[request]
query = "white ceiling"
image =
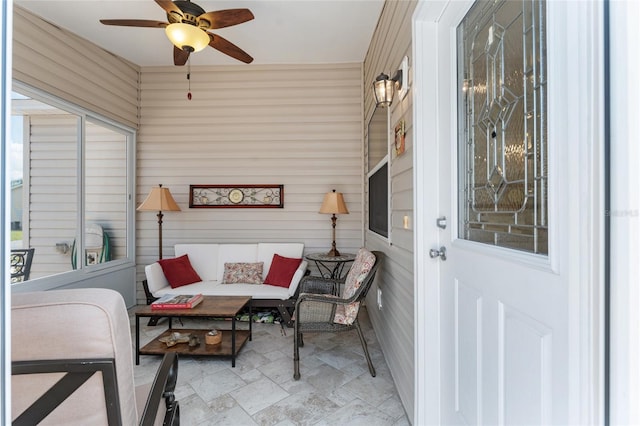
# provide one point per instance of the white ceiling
(283, 31)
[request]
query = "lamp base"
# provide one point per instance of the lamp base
(333, 253)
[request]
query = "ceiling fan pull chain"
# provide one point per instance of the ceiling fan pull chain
(189, 78)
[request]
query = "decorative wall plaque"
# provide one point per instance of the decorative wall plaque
(399, 138)
(245, 196)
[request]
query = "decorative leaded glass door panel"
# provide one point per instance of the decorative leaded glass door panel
(502, 125)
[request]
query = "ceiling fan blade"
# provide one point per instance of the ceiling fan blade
(229, 48)
(170, 7)
(134, 23)
(226, 18)
(179, 56)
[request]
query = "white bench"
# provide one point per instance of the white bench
(208, 261)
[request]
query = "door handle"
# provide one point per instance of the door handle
(442, 253)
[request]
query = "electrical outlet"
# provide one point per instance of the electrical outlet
(380, 299)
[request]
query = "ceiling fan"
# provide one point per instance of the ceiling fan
(188, 28)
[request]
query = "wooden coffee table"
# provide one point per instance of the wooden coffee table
(211, 307)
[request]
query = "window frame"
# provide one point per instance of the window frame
(84, 115)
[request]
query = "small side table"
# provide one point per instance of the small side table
(331, 266)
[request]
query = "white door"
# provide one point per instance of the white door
(506, 323)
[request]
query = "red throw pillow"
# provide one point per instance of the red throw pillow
(282, 270)
(179, 271)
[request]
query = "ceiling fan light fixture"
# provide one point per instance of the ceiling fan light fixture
(187, 37)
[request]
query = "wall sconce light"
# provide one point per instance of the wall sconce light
(384, 87)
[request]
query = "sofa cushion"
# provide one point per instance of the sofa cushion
(267, 250)
(245, 273)
(295, 281)
(179, 271)
(282, 270)
(203, 258)
(212, 288)
(235, 253)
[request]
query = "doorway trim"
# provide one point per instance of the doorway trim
(426, 274)
(624, 213)
(6, 25)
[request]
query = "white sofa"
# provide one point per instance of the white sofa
(208, 261)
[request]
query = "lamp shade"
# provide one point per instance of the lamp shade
(159, 199)
(383, 89)
(333, 203)
(187, 37)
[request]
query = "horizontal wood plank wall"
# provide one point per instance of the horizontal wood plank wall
(54, 60)
(393, 323)
(295, 125)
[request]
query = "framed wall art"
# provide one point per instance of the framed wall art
(245, 196)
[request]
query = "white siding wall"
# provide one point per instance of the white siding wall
(52, 190)
(105, 178)
(394, 322)
(56, 61)
(300, 126)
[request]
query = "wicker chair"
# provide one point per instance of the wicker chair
(320, 309)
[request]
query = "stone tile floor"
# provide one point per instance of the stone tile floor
(335, 387)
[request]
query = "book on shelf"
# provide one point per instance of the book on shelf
(177, 301)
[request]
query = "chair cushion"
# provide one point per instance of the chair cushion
(72, 324)
(142, 394)
(179, 271)
(346, 314)
(245, 273)
(282, 270)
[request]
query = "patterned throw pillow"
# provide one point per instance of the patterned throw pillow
(244, 273)
(346, 314)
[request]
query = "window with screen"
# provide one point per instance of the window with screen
(379, 201)
(378, 172)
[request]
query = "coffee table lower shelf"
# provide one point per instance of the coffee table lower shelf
(224, 348)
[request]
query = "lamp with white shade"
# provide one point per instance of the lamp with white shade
(333, 204)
